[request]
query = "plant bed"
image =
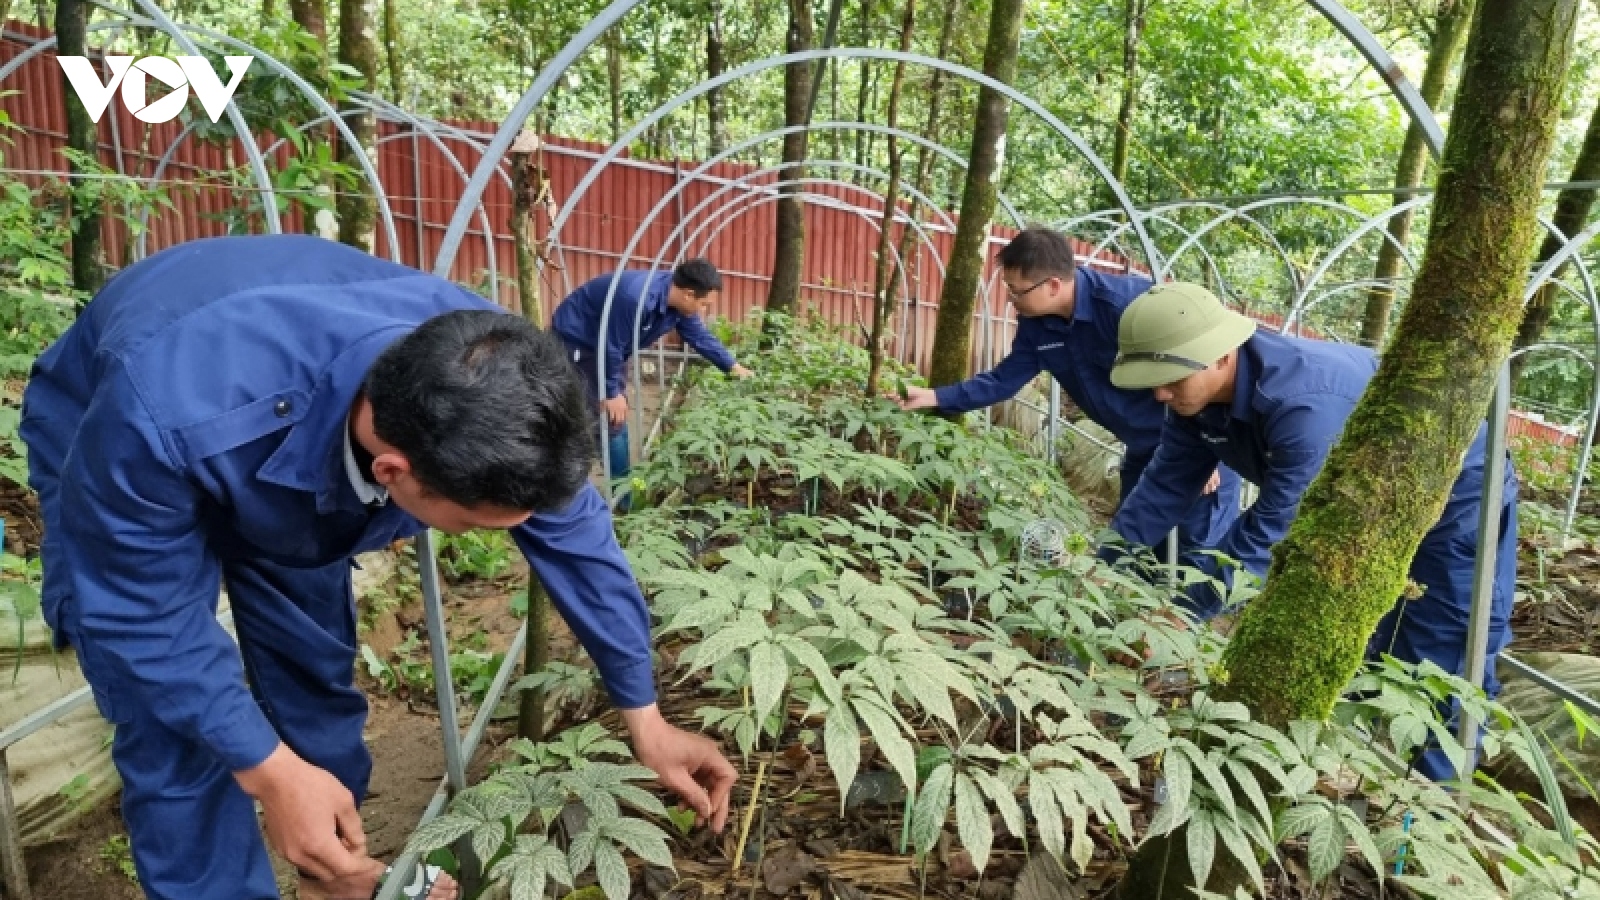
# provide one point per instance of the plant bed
(890, 748)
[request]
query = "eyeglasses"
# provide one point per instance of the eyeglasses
(1018, 295)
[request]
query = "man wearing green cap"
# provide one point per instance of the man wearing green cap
(1270, 407)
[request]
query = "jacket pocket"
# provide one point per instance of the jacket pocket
(240, 425)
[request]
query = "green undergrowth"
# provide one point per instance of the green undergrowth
(907, 598)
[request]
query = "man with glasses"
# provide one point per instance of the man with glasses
(1067, 321)
(671, 300)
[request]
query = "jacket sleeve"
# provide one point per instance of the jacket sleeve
(145, 585)
(576, 555)
(1000, 383)
(1299, 437)
(619, 327)
(1169, 485)
(696, 335)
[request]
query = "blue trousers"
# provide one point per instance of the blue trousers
(614, 441)
(193, 831)
(1206, 522)
(1434, 626)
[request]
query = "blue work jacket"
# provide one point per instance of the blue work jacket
(577, 320)
(196, 412)
(1290, 402)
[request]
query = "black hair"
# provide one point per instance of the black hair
(487, 409)
(697, 276)
(1039, 252)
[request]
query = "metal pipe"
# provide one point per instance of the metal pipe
(1484, 565)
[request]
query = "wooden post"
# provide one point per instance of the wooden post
(527, 183)
(530, 711)
(16, 873)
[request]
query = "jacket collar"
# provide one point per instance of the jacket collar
(311, 457)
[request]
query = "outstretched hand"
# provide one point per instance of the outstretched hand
(689, 765)
(916, 398)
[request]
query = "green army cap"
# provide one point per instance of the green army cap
(1171, 332)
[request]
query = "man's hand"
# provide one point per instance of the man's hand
(917, 398)
(688, 765)
(311, 818)
(1212, 483)
(739, 371)
(616, 410)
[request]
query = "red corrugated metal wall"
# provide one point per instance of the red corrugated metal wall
(422, 187)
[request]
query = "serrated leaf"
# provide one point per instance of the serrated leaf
(811, 658)
(932, 808)
(1176, 769)
(1146, 741)
(1239, 847)
(1245, 778)
(441, 832)
(1213, 778)
(928, 692)
(1042, 800)
(769, 674)
(885, 730)
(647, 842)
(1325, 848)
(841, 740)
(972, 822)
(487, 839)
(611, 870)
(1297, 820)
(1005, 800)
(581, 853)
(639, 799)
(719, 645)
(1357, 830)
(1202, 841)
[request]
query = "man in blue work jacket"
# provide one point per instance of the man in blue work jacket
(1271, 407)
(253, 412)
(1067, 325)
(669, 300)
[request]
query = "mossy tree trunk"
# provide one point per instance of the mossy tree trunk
(312, 15)
(716, 64)
(391, 50)
(1573, 206)
(613, 47)
(887, 276)
(783, 296)
(1345, 559)
(88, 272)
(358, 49)
(1449, 37)
(952, 340)
(1383, 486)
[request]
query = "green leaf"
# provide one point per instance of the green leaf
(1239, 847)
(1245, 778)
(1180, 779)
(1325, 848)
(769, 673)
(885, 728)
(931, 809)
(611, 870)
(441, 832)
(1042, 800)
(1213, 777)
(1357, 831)
(811, 658)
(1005, 800)
(487, 839)
(647, 841)
(1299, 819)
(1146, 741)
(1554, 798)
(1202, 840)
(972, 822)
(841, 740)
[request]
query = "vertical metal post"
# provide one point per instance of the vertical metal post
(455, 768)
(1584, 451)
(1052, 429)
(416, 200)
(16, 873)
(1483, 569)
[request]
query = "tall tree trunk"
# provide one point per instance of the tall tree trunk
(830, 33)
(1133, 30)
(716, 64)
(783, 296)
(889, 270)
(1573, 206)
(71, 27)
(391, 50)
(952, 339)
(269, 11)
(1383, 486)
(358, 49)
(1449, 37)
(864, 89)
(613, 45)
(312, 15)
(931, 131)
